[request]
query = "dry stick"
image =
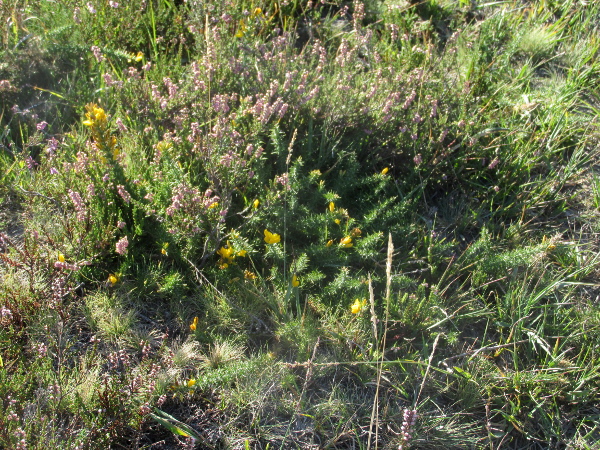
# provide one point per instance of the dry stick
(354, 363)
(287, 168)
(309, 370)
(374, 415)
(373, 314)
(388, 273)
(483, 349)
(437, 338)
(37, 194)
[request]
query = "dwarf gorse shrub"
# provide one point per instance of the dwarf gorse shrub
(205, 192)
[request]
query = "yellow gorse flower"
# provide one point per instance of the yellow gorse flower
(329, 243)
(139, 56)
(295, 281)
(194, 324)
(256, 204)
(241, 29)
(226, 252)
(271, 238)
(164, 146)
(96, 119)
(249, 275)
(191, 382)
(358, 305)
(61, 257)
(113, 279)
(346, 242)
(228, 255)
(331, 207)
(356, 232)
(95, 116)
(385, 170)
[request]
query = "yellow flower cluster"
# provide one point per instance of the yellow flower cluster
(346, 242)
(95, 116)
(271, 238)
(358, 305)
(228, 255)
(97, 121)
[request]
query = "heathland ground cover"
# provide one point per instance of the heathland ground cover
(299, 224)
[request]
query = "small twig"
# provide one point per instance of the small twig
(388, 272)
(354, 363)
(148, 319)
(482, 349)
(373, 314)
(309, 371)
(37, 194)
(375, 410)
(437, 338)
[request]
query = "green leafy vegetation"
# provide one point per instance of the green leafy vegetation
(299, 224)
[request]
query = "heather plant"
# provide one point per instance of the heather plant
(298, 224)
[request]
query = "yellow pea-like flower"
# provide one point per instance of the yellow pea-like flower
(346, 242)
(226, 252)
(271, 238)
(249, 275)
(358, 305)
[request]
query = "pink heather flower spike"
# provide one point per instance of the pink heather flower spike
(123, 193)
(122, 245)
(408, 423)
